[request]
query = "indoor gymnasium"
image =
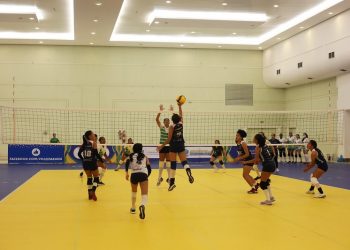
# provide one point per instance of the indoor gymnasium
(180, 124)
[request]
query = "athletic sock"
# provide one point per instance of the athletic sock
(312, 188)
(95, 183)
(320, 190)
(144, 199)
(269, 189)
(161, 167)
(267, 195)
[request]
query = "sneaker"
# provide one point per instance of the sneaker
(93, 196)
(252, 191)
(160, 180)
(142, 212)
(268, 203)
(272, 199)
(171, 187)
(81, 174)
(167, 180)
(310, 192)
(189, 174)
(319, 196)
(132, 210)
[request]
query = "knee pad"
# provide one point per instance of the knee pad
(212, 163)
(97, 179)
(185, 164)
(264, 185)
(89, 181)
(173, 165)
(221, 162)
(314, 181)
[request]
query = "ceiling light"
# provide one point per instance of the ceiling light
(31, 18)
(301, 27)
(21, 9)
(95, 20)
(93, 33)
(330, 13)
(193, 32)
(219, 46)
(91, 43)
(207, 15)
(260, 48)
(181, 45)
(224, 4)
(41, 42)
(156, 22)
(276, 6)
(278, 38)
(37, 28)
(98, 3)
(148, 30)
(68, 14)
(319, 8)
(234, 33)
(168, 1)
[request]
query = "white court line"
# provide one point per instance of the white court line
(18, 188)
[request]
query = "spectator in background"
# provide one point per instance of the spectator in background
(298, 149)
(282, 149)
(54, 139)
(306, 141)
(290, 149)
(275, 141)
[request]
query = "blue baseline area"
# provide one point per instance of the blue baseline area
(13, 176)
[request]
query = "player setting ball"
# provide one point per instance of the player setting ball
(181, 99)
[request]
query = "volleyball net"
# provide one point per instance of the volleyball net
(36, 125)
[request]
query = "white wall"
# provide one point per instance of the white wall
(343, 84)
(311, 47)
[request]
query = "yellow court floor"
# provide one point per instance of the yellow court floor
(51, 211)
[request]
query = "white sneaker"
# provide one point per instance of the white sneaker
(319, 196)
(268, 203)
(310, 192)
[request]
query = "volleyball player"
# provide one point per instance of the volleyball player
(177, 148)
(245, 155)
(102, 166)
(298, 148)
(140, 169)
(305, 141)
(290, 148)
(317, 158)
(264, 154)
(164, 158)
(89, 155)
(127, 150)
(217, 154)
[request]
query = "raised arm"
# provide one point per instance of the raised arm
(180, 112)
(158, 120)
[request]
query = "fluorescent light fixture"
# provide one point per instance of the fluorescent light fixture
(181, 45)
(193, 32)
(95, 20)
(41, 42)
(24, 9)
(31, 18)
(330, 13)
(98, 3)
(37, 28)
(260, 48)
(148, 30)
(234, 33)
(93, 33)
(224, 4)
(301, 27)
(156, 22)
(21, 9)
(207, 15)
(276, 6)
(219, 46)
(218, 16)
(168, 1)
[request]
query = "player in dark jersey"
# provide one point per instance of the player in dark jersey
(317, 158)
(266, 155)
(89, 155)
(217, 154)
(245, 155)
(177, 147)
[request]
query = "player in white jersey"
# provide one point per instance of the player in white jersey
(306, 141)
(102, 166)
(282, 149)
(290, 149)
(140, 169)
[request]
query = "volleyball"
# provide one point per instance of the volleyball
(181, 99)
